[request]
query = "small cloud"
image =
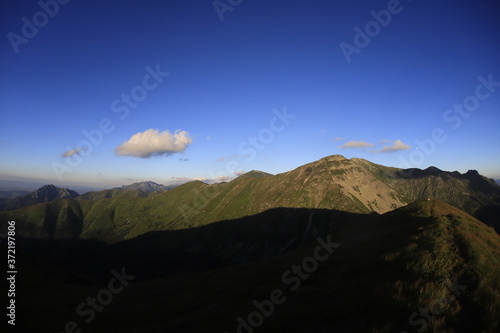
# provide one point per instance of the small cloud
(183, 159)
(71, 152)
(223, 158)
(219, 179)
(154, 143)
(209, 138)
(339, 139)
(397, 145)
(385, 141)
(356, 144)
(324, 130)
(239, 173)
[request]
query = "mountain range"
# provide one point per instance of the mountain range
(348, 245)
(146, 187)
(334, 182)
(45, 193)
(13, 199)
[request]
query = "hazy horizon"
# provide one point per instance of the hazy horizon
(167, 182)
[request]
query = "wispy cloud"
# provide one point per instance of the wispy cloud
(396, 145)
(223, 158)
(71, 152)
(154, 143)
(239, 173)
(339, 139)
(219, 179)
(356, 144)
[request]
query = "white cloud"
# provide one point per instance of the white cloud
(239, 173)
(71, 152)
(356, 144)
(154, 143)
(397, 145)
(339, 139)
(220, 179)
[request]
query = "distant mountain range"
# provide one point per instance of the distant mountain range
(146, 187)
(45, 193)
(13, 199)
(8, 194)
(11, 187)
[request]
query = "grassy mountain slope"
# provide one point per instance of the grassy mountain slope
(113, 193)
(426, 266)
(254, 174)
(333, 182)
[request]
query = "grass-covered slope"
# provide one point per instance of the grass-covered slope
(425, 267)
(333, 182)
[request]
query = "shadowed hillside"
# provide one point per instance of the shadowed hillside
(382, 273)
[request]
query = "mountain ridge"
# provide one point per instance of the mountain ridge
(146, 186)
(334, 182)
(46, 193)
(254, 174)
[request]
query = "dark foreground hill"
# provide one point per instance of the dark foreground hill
(425, 267)
(334, 182)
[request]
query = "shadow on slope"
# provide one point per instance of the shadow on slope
(159, 253)
(251, 238)
(388, 269)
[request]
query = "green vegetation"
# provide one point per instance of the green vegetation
(202, 254)
(332, 183)
(427, 256)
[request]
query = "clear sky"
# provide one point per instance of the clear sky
(187, 89)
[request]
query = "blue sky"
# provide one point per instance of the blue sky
(296, 76)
